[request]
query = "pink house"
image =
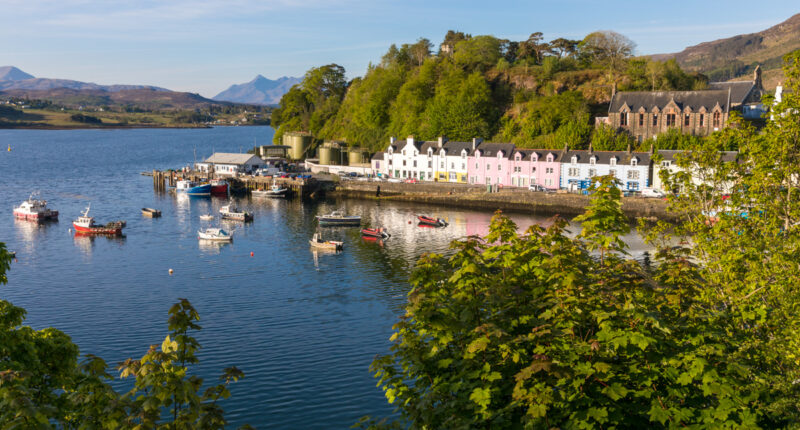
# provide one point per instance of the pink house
(535, 166)
(491, 164)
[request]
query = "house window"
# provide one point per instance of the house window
(633, 174)
(665, 164)
(499, 167)
(716, 119)
(634, 162)
(463, 166)
(452, 176)
(573, 171)
(415, 163)
(623, 119)
(612, 172)
(549, 159)
(548, 170)
(641, 119)
(592, 173)
(592, 161)
(463, 155)
(404, 162)
(686, 120)
(390, 161)
(430, 164)
(476, 165)
(612, 161)
(702, 120)
(488, 166)
(548, 182)
(574, 160)
(655, 119)
(441, 164)
(452, 166)
(533, 170)
(670, 119)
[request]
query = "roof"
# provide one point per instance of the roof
(231, 158)
(648, 100)
(540, 153)
(378, 156)
(669, 155)
(489, 149)
(455, 148)
(604, 157)
(739, 89)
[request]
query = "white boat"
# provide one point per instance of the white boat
(232, 212)
(331, 245)
(216, 234)
(34, 209)
(338, 218)
(207, 217)
(274, 191)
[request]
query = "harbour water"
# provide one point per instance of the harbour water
(303, 326)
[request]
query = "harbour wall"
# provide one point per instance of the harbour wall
(508, 199)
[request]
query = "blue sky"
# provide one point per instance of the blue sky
(205, 46)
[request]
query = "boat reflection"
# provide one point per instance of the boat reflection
(319, 252)
(211, 246)
(86, 241)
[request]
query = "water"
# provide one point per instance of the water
(302, 326)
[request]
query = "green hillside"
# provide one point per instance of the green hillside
(532, 92)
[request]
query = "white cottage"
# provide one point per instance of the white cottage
(230, 164)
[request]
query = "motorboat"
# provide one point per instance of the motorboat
(35, 209)
(192, 188)
(216, 234)
(232, 212)
(274, 191)
(331, 245)
(151, 213)
(207, 217)
(338, 218)
(378, 233)
(433, 222)
(219, 187)
(86, 225)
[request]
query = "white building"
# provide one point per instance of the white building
(230, 164)
(632, 169)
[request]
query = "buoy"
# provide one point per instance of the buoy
(170, 271)
(409, 221)
(251, 253)
(69, 230)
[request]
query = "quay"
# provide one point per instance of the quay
(243, 184)
(507, 199)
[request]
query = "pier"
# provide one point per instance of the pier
(243, 184)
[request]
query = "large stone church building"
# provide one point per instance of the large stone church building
(645, 114)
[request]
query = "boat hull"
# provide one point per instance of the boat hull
(220, 189)
(330, 246)
(198, 190)
(339, 221)
(372, 233)
(36, 216)
(97, 230)
(237, 216)
(432, 222)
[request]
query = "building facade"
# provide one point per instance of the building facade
(230, 164)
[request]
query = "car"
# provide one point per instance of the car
(652, 192)
(352, 174)
(395, 180)
(411, 181)
(536, 187)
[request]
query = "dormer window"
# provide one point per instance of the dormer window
(574, 160)
(634, 162)
(592, 161)
(549, 159)
(613, 161)
(463, 154)
(404, 153)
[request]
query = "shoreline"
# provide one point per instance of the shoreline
(509, 199)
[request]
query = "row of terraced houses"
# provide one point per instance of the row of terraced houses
(502, 164)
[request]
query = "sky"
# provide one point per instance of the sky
(205, 46)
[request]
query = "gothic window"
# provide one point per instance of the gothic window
(641, 119)
(655, 119)
(623, 119)
(670, 119)
(716, 119)
(702, 120)
(686, 120)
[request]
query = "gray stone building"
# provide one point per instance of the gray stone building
(645, 114)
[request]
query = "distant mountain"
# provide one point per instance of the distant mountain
(145, 98)
(736, 56)
(11, 73)
(260, 90)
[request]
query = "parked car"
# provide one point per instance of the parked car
(411, 181)
(536, 187)
(395, 180)
(652, 192)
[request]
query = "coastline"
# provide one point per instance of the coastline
(509, 199)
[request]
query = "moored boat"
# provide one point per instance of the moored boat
(232, 212)
(207, 217)
(338, 218)
(193, 189)
(219, 187)
(35, 209)
(378, 233)
(433, 222)
(86, 225)
(151, 213)
(216, 234)
(274, 191)
(331, 245)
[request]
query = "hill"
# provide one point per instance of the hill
(736, 56)
(260, 91)
(11, 73)
(144, 98)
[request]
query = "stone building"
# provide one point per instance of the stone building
(645, 114)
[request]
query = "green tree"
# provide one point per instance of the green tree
(478, 53)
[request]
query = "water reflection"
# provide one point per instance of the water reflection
(85, 242)
(211, 246)
(30, 230)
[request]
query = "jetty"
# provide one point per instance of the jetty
(243, 184)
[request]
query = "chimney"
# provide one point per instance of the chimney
(566, 147)
(441, 141)
(757, 77)
(475, 142)
(629, 148)
(392, 140)
(591, 150)
(410, 140)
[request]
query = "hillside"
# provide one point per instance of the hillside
(142, 98)
(260, 90)
(737, 56)
(11, 73)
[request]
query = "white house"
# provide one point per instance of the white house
(632, 169)
(224, 163)
(668, 161)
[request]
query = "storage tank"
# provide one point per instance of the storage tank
(330, 155)
(298, 142)
(357, 156)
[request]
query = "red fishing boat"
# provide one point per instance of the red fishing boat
(85, 225)
(378, 233)
(34, 209)
(429, 221)
(219, 187)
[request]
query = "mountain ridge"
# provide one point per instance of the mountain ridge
(259, 90)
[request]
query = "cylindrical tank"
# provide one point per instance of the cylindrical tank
(297, 142)
(356, 156)
(330, 155)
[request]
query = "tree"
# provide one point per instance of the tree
(564, 47)
(609, 50)
(420, 50)
(478, 53)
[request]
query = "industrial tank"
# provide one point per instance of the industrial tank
(330, 155)
(357, 156)
(297, 142)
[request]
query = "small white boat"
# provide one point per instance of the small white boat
(207, 217)
(274, 191)
(151, 213)
(231, 211)
(338, 218)
(331, 245)
(217, 234)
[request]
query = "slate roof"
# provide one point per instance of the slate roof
(231, 158)
(649, 100)
(378, 156)
(489, 149)
(669, 155)
(739, 89)
(541, 153)
(604, 157)
(455, 148)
